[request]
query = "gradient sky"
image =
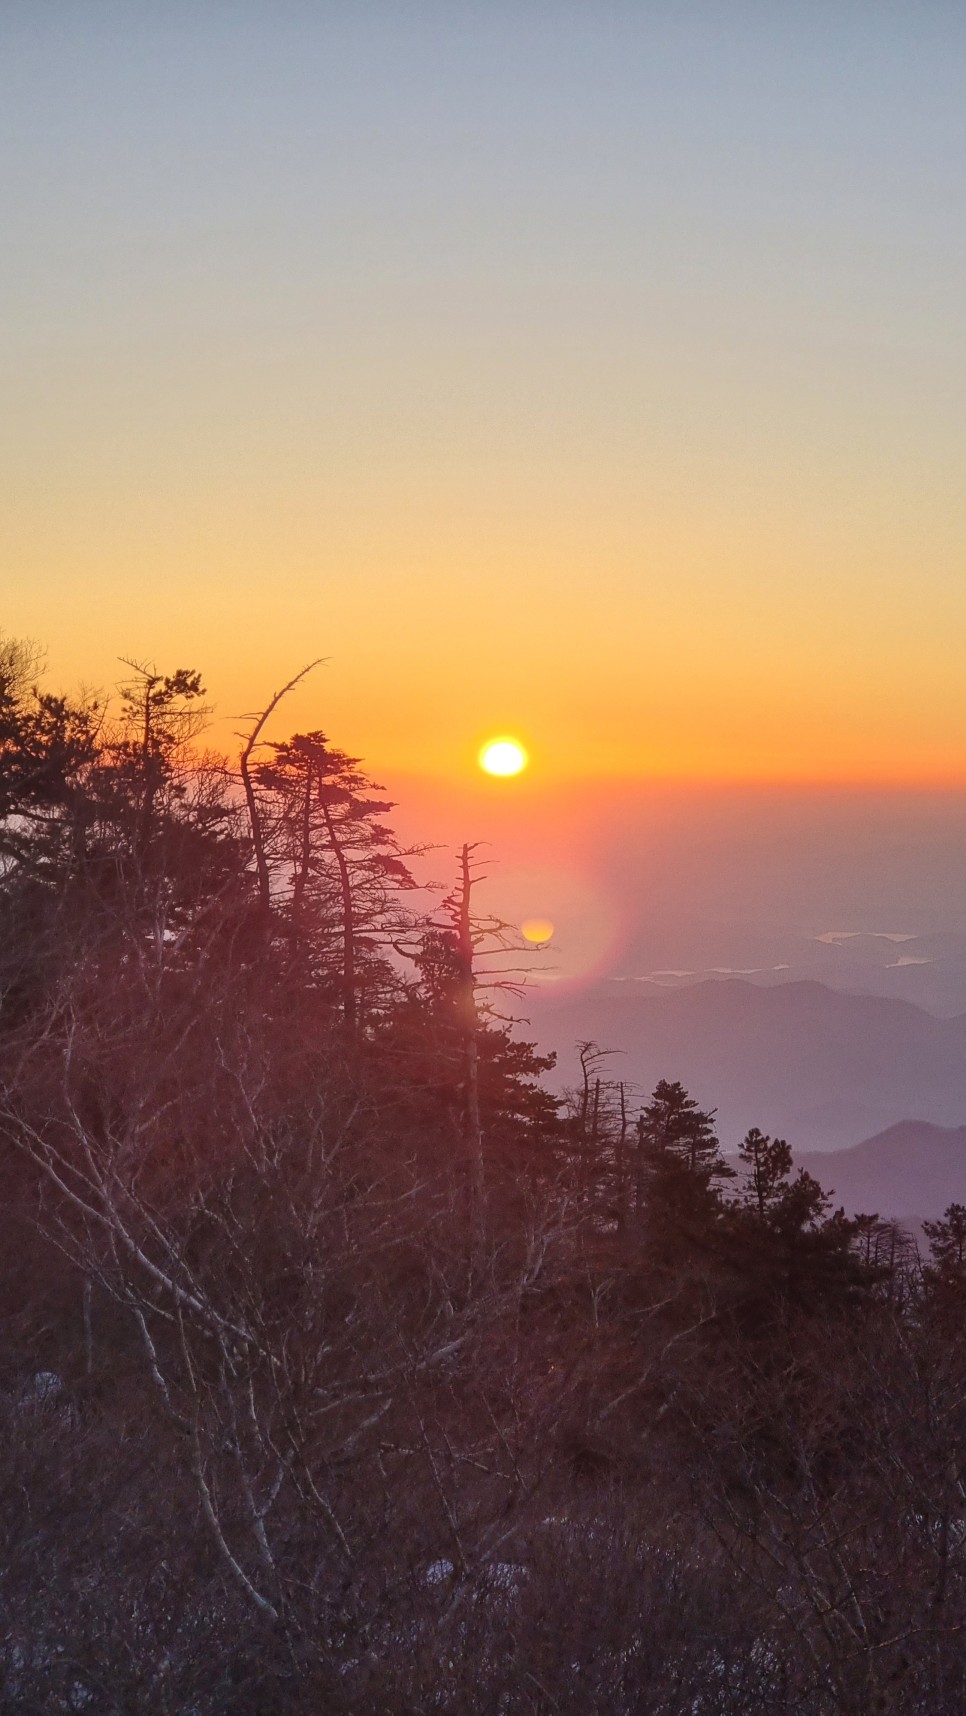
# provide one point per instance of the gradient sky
(591, 372)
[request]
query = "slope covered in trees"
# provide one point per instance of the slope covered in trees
(344, 1368)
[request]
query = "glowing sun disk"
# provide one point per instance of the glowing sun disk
(503, 757)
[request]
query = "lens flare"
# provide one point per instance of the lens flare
(503, 757)
(536, 930)
(563, 908)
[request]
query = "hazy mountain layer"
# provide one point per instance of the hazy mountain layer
(817, 1066)
(911, 1170)
(929, 970)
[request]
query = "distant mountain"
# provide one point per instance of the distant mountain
(816, 1066)
(927, 969)
(911, 1170)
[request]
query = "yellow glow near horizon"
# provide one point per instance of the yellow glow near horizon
(536, 930)
(688, 508)
(503, 757)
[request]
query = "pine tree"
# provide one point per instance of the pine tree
(768, 1162)
(679, 1168)
(788, 1250)
(347, 871)
(944, 1277)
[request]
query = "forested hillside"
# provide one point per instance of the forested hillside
(344, 1367)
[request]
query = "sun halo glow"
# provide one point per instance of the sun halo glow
(503, 757)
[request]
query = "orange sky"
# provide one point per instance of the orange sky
(601, 385)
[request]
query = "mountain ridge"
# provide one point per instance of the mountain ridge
(819, 1066)
(910, 1172)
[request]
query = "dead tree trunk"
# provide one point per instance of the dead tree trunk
(259, 844)
(621, 1165)
(349, 1008)
(469, 1031)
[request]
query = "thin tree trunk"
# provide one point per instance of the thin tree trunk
(621, 1166)
(301, 876)
(147, 771)
(584, 1110)
(349, 1009)
(469, 1026)
(254, 815)
(88, 1326)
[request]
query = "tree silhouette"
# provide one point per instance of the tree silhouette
(338, 1369)
(347, 871)
(679, 1168)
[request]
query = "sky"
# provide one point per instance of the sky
(591, 373)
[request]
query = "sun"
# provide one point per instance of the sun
(503, 757)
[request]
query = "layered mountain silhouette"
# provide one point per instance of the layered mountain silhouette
(811, 1064)
(910, 1171)
(927, 969)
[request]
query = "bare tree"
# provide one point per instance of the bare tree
(259, 842)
